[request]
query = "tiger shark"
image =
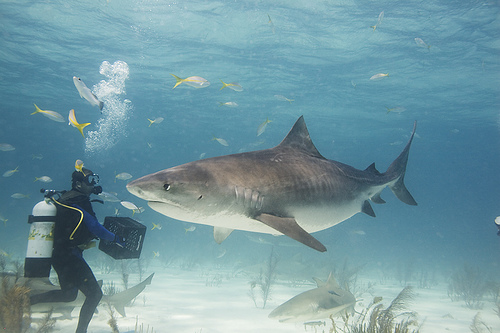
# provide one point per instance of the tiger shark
(328, 299)
(290, 189)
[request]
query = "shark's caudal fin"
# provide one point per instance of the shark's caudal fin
(119, 300)
(398, 170)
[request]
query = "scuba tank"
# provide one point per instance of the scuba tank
(40, 238)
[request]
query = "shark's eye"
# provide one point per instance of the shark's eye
(166, 187)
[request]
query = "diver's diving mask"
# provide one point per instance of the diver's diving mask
(92, 179)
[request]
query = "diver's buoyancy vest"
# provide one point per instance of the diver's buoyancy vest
(70, 230)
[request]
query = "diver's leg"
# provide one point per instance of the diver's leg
(93, 294)
(64, 268)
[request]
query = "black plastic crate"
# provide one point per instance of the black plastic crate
(133, 232)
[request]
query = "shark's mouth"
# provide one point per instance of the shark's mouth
(154, 203)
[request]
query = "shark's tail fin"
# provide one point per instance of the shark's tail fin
(398, 169)
(123, 298)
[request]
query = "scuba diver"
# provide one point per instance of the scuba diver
(75, 229)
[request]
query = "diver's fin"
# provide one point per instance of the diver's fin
(288, 226)
(221, 233)
(367, 209)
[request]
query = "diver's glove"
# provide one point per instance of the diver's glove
(119, 240)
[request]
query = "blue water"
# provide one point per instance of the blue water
(320, 54)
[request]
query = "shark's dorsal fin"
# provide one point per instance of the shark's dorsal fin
(319, 282)
(372, 169)
(298, 138)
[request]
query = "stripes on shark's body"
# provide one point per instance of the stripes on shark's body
(289, 189)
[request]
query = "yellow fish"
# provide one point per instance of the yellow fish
(228, 104)
(79, 165)
(193, 81)
(270, 22)
(190, 229)
(262, 127)
(397, 109)
(283, 98)
(156, 120)
(52, 115)
(156, 254)
(380, 18)
(379, 76)
(74, 123)
(221, 141)
(4, 220)
(233, 85)
(156, 226)
(421, 43)
(10, 172)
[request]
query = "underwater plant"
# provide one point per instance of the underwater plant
(15, 308)
(265, 280)
(347, 277)
(110, 288)
(140, 328)
(467, 284)
(125, 274)
(112, 320)
(3, 263)
(405, 271)
(478, 325)
(376, 319)
(47, 324)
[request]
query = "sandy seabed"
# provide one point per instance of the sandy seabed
(218, 301)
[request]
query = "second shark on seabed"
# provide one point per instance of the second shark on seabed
(41, 285)
(290, 189)
(328, 299)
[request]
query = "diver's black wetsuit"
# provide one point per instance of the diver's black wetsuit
(73, 272)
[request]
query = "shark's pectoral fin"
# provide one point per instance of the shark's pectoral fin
(288, 226)
(221, 233)
(367, 209)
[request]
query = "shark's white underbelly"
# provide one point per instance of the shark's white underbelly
(311, 218)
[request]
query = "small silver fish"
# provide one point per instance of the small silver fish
(19, 196)
(86, 93)
(190, 229)
(228, 104)
(10, 172)
(379, 76)
(105, 196)
(43, 179)
(6, 147)
(123, 176)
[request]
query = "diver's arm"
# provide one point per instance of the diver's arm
(95, 227)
